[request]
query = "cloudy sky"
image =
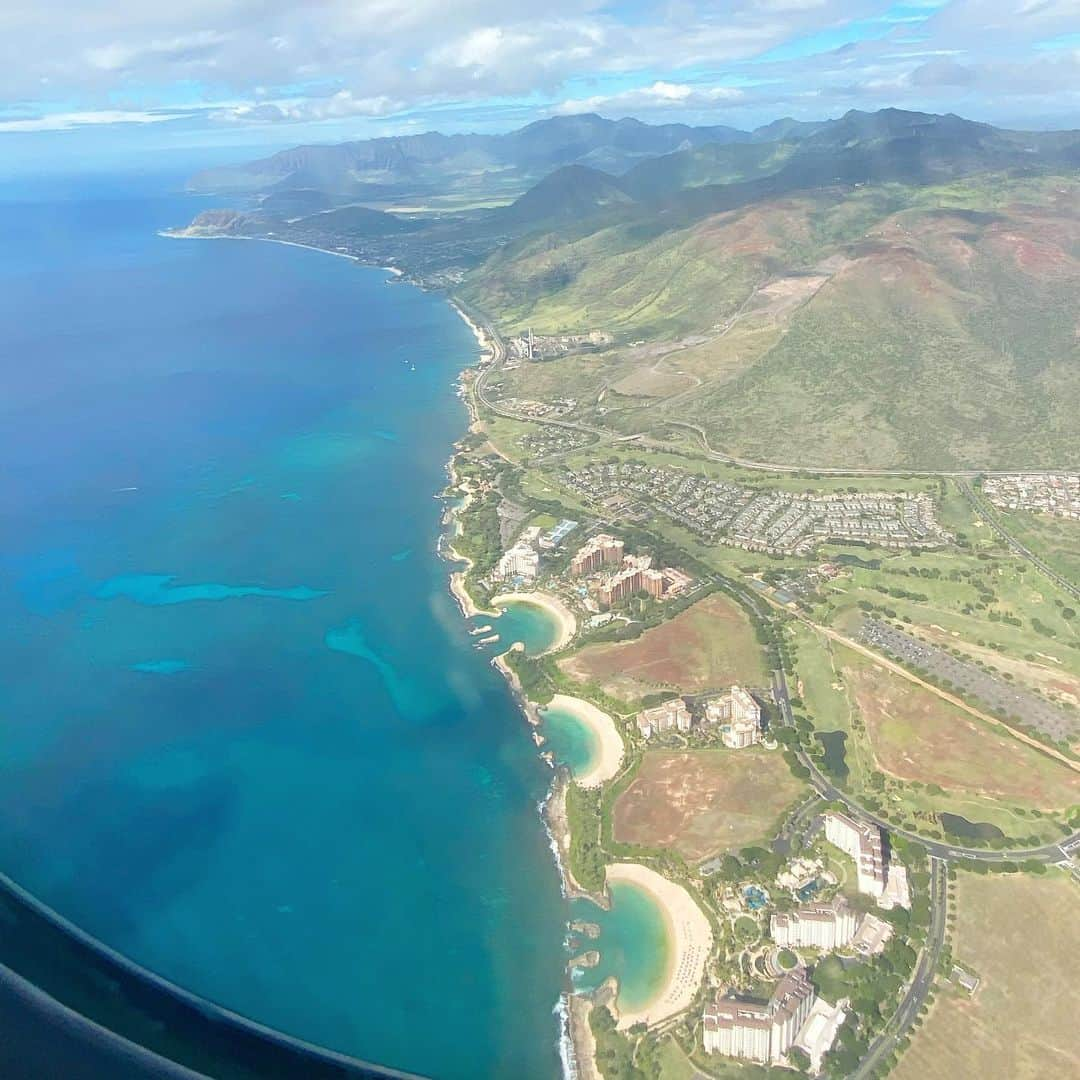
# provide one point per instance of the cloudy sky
(247, 73)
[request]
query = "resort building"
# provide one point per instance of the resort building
(602, 550)
(872, 937)
(671, 716)
(817, 926)
(819, 1032)
(740, 717)
(862, 841)
(520, 561)
(760, 1031)
(635, 576)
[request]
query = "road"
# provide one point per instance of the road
(608, 435)
(1047, 853)
(921, 981)
(990, 516)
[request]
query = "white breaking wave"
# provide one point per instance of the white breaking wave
(567, 1055)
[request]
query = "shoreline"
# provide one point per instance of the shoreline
(565, 619)
(576, 1046)
(610, 748)
(483, 337)
(172, 234)
(577, 1058)
(553, 812)
(690, 937)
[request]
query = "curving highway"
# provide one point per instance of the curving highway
(921, 981)
(991, 517)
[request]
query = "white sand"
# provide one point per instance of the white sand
(691, 943)
(610, 745)
(567, 624)
(487, 346)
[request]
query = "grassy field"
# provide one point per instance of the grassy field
(701, 802)
(826, 674)
(630, 279)
(1021, 936)
(995, 600)
(710, 644)
(1056, 540)
(916, 736)
(506, 435)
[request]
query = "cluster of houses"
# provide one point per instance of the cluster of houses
(779, 522)
(1058, 495)
(535, 410)
(735, 713)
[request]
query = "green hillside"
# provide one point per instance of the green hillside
(889, 326)
(951, 340)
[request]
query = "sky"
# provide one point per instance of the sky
(91, 81)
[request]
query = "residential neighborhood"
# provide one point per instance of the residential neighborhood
(1058, 495)
(772, 521)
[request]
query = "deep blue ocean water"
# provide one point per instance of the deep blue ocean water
(245, 737)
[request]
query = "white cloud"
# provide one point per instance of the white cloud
(336, 107)
(68, 121)
(297, 61)
(659, 95)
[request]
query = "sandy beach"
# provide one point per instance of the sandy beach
(483, 339)
(691, 943)
(610, 745)
(553, 606)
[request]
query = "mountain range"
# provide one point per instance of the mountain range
(432, 161)
(888, 289)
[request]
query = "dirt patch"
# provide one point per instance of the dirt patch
(711, 644)
(915, 735)
(701, 802)
(648, 382)
(1021, 935)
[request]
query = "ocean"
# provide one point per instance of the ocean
(246, 737)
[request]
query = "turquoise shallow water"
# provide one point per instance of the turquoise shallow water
(633, 944)
(246, 737)
(573, 742)
(528, 623)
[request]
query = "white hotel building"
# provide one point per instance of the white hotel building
(817, 926)
(862, 841)
(760, 1031)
